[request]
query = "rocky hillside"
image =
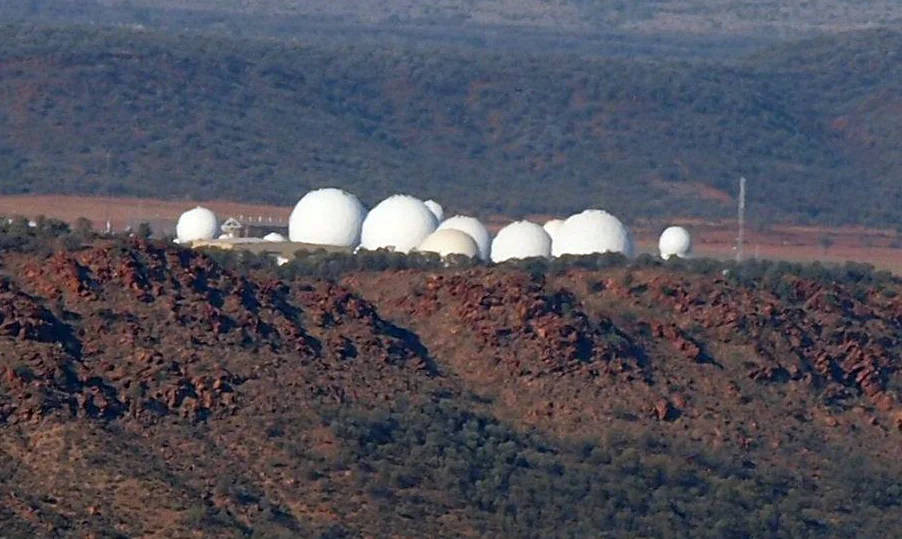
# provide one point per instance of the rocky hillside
(147, 390)
(95, 111)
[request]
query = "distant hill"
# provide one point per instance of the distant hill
(814, 125)
(695, 17)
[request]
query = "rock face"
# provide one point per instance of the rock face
(240, 401)
(823, 337)
(574, 350)
(521, 324)
(146, 332)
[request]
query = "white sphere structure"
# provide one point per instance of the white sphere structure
(327, 217)
(197, 224)
(552, 227)
(274, 237)
(521, 239)
(448, 242)
(436, 209)
(675, 241)
(401, 222)
(475, 229)
(592, 231)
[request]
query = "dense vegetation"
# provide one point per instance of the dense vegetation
(814, 126)
(620, 485)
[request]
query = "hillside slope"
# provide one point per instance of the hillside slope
(150, 390)
(129, 113)
(694, 17)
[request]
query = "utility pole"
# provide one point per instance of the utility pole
(109, 179)
(741, 237)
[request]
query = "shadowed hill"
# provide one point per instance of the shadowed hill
(119, 112)
(573, 17)
(149, 389)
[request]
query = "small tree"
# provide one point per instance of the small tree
(825, 242)
(144, 231)
(84, 227)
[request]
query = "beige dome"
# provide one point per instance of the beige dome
(449, 241)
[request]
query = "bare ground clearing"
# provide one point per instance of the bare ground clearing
(880, 248)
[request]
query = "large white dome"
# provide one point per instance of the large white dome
(553, 226)
(448, 241)
(476, 230)
(592, 231)
(521, 239)
(274, 237)
(675, 241)
(436, 209)
(197, 224)
(327, 217)
(400, 221)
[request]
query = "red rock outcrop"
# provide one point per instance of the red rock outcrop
(144, 331)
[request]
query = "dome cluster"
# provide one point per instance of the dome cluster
(403, 223)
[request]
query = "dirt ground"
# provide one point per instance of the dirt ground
(123, 212)
(881, 248)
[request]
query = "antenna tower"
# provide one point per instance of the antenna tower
(741, 237)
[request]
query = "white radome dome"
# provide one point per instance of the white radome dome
(675, 241)
(521, 239)
(327, 216)
(436, 209)
(446, 242)
(553, 226)
(475, 229)
(592, 231)
(197, 224)
(401, 222)
(274, 237)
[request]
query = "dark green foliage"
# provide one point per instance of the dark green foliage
(332, 265)
(137, 113)
(42, 235)
(626, 486)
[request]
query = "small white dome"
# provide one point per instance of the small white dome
(401, 222)
(592, 231)
(552, 227)
(675, 241)
(197, 224)
(476, 230)
(448, 241)
(281, 260)
(275, 237)
(327, 217)
(521, 239)
(436, 209)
